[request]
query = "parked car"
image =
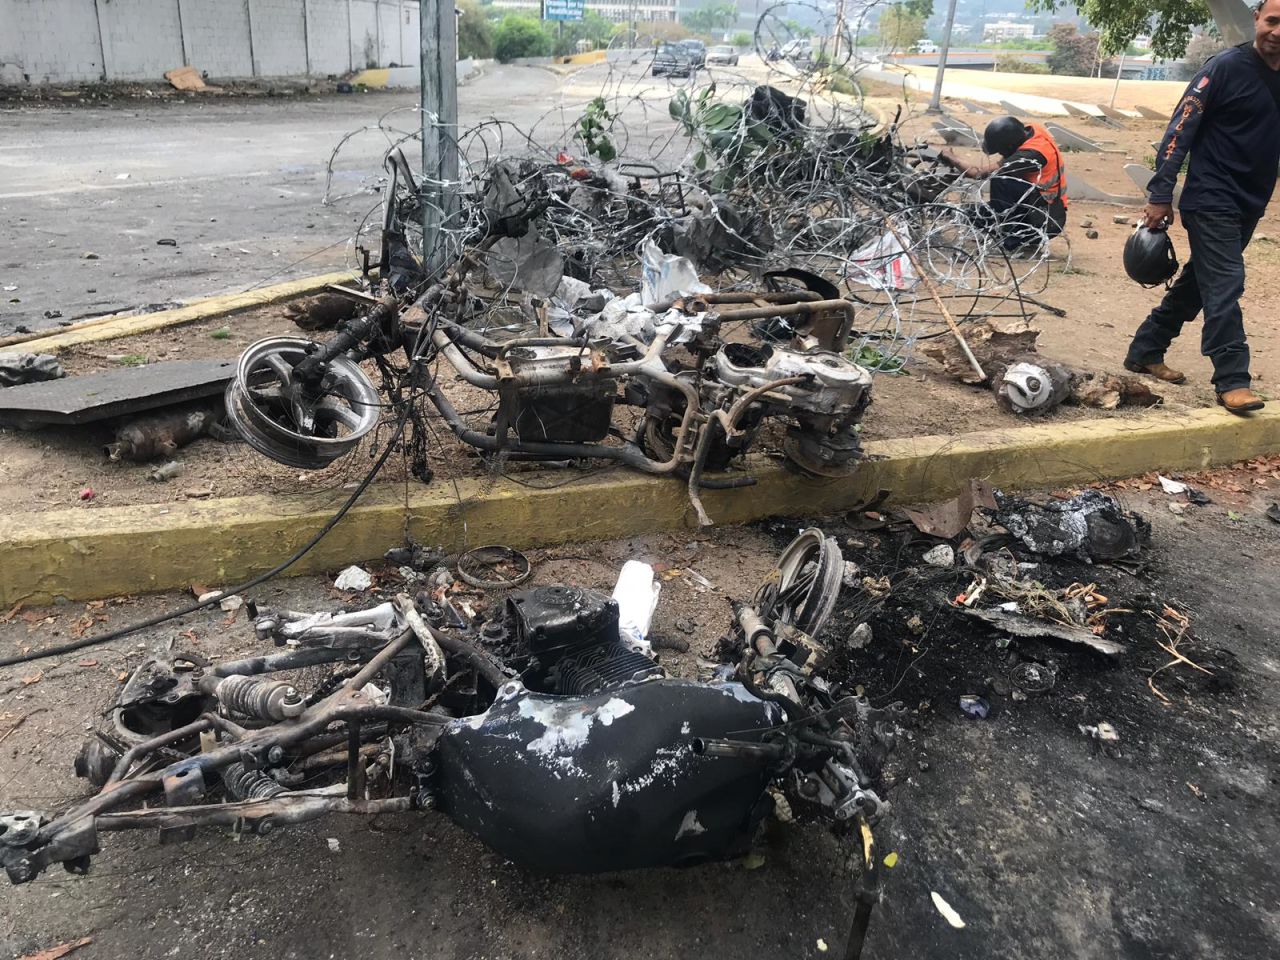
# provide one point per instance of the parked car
(799, 50)
(724, 54)
(697, 51)
(672, 60)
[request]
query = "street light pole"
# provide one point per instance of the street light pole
(935, 103)
(439, 132)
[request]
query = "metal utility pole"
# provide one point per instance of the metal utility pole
(1116, 89)
(439, 132)
(935, 102)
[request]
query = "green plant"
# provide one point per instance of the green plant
(475, 34)
(593, 130)
(877, 361)
(133, 360)
(742, 39)
(728, 139)
(1010, 63)
(518, 36)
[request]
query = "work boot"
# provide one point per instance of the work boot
(1240, 400)
(1157, 370)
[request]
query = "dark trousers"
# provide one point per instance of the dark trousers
(1023, 214)
(1212, 281)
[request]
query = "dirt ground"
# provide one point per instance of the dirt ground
(1046, 842)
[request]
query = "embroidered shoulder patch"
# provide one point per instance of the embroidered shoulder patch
(1204, 82)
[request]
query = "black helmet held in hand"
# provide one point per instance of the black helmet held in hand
(1004, 135)
(1149, 258)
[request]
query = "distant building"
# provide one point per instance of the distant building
(618, 12)
(1003, 30)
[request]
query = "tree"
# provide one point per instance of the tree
(1122, 20)
(1201, 48)
(591, 27)
(519, 36)
(1074, 54)
(475, 35)
(742, 39)
(711, 18)
(900, 29)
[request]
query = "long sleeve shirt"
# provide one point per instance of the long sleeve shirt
(1229, 120)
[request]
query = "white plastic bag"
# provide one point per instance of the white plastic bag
(637, 594)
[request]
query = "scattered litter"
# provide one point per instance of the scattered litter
(1102, 731)
(946, 910)
(166, 242)
(1172, 487)
(222, 333)
(891, 859)
(822, 945)
(163, 434)
(165, 472)
(189, 79)
(87, 493)
(19, 368)
(1022, 626)
(353, 578)
(1092, 525)
(949, 519)
(232, 603)
(88, 255)
(1032, 677)
(876, 586)
(753, 861)
(974, 706)
(861, 636)
(494, 567)
(851, 574)
(636, 593)
(61, 950)
(334, 845)
(941, 556)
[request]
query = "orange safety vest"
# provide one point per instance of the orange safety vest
(1051, 181)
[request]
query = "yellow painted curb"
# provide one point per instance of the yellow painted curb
(89, 553)
(374, 79)
(110, 328)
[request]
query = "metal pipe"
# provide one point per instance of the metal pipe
(739, 749)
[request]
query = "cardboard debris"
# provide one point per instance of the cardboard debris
(189, 78)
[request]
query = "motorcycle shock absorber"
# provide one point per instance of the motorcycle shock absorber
(255, 697)
(245, 784)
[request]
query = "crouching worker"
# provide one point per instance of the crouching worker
(1028, 183)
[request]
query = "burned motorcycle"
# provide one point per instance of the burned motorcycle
(537, 728)
(702, 396)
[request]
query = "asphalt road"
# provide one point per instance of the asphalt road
(237, 184)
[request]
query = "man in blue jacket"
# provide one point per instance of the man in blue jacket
(1229, 119)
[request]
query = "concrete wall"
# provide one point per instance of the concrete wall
(217, 36)
(59, 41)
(48, 40)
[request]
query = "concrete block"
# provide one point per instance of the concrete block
(1078, 188)
(1072, 140)
(1148, 114)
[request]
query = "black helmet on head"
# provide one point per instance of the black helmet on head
(1149, 257)
(1004, 135)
